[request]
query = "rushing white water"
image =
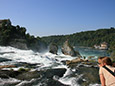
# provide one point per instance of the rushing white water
(45, 60)
(8, 81)
(17, 55)
(69, 81)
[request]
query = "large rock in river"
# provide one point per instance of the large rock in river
(53, 48)
(67, 49)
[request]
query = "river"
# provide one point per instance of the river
(45, 61)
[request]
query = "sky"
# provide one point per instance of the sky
(59, 17)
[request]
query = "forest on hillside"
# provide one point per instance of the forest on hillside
(86, 38)
(9, 32)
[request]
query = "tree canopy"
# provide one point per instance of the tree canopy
(86, 38)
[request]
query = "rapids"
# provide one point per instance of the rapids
(44, 60)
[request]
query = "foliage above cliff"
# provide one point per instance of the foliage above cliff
(9, 33)
(86, 38)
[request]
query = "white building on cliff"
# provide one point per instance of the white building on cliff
(102, 46)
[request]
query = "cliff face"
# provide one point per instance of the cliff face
(16, 36)
(19, 43)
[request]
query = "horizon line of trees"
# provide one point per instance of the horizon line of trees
(9, 32)
(86, 38)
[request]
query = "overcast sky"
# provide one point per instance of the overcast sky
(59, 17)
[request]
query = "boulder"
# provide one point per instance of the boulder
(77, 60)
(27, 65)
(28, 75)
(53, 48)
(67, 49)
(51, 72)
(90, 76)
(8, 73)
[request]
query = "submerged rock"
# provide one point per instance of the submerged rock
(27, 65)
(25, 74)
(28, 75)
(4, 59)
(8, 73)
(51, 72)
(84, 76)
(50, 77)
(20, 75)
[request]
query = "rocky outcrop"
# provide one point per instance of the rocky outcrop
(17, 37)
(67, 49)
(77, 60)
(53, 48)
(4, 59)
(23, 44)
(19, 43)
(25, 74)
(83, 76)
(90, 75)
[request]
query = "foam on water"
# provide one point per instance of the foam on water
(66, 79)
(8, 81)
(45, 59)
(61, 57)
(29, 56)
(27, 83)
(16, 55)
(95, 85)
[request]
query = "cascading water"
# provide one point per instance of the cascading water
(42, 61)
